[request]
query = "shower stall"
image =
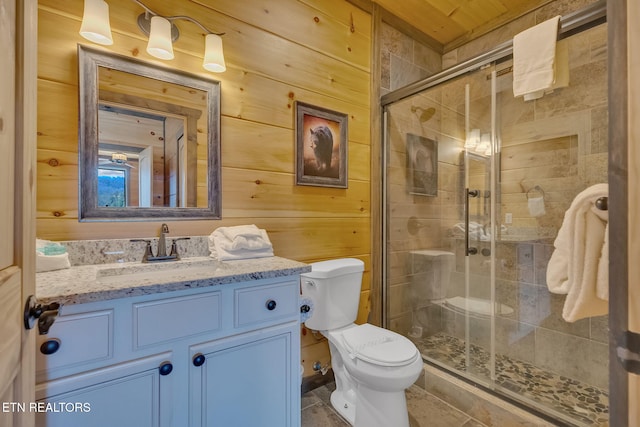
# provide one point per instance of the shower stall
(476, 184)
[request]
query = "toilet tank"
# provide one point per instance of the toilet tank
(334, 287)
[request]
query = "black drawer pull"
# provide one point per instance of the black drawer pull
(50, 346)
(271, 305)
(198, 359)
(165, 368)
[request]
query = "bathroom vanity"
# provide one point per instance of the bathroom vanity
(194, 343)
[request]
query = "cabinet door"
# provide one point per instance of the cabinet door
(128, 395)
(246, 381)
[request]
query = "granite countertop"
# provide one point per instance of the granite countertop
(98, 282)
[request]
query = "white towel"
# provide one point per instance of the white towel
(241, 230)
(536, 64)
(246, 241)
(51, 262)
(579, 264)
(536, 206)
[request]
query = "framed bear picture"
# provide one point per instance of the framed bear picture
(321, 146)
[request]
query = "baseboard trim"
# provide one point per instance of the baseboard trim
(315, 381)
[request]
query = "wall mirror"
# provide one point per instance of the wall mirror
(149, 141)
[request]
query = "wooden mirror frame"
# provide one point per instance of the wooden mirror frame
(89, 61)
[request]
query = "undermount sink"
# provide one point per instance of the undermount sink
(187, 266)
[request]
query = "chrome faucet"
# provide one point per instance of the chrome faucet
(161, 253)
(162, 243)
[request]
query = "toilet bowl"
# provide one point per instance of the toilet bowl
(372, 366)
(376, 366)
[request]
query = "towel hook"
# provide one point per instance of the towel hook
(538, 189)
(602, 203)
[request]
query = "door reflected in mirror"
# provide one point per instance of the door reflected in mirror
(148, 132)
(149, 141)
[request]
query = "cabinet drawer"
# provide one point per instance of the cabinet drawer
(263, 304)
(82, 338)
(169, 319)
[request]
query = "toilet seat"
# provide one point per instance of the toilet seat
(378, 346)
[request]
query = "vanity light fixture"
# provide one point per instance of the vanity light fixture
(161, 30)
(95, 22)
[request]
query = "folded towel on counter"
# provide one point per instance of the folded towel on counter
(250, 231)
(540, 64)
(239, 242)
(579, 264)
(51, 256)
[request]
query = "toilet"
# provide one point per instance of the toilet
(372, 366)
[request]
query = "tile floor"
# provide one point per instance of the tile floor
(425, 410)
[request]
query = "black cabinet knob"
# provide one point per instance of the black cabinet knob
(165, 368)
(305, 308)
(50, 346)
(271, 305)
(198, 359)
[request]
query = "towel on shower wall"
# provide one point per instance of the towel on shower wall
(579, 264)
(536, 206)
(535, 61)
(239, 242)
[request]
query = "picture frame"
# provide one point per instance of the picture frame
(321, 146)
(422, 165)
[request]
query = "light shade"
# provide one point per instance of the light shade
(213, 55)
(95, 22)
(473, 139)
(160, 44)
(485, 144)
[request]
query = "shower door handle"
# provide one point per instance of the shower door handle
(468, 193)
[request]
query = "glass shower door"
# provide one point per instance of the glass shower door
(439, 159)
(468, 237)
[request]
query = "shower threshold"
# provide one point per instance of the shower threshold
(585, 404)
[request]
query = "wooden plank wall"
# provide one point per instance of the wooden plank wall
(277, 52)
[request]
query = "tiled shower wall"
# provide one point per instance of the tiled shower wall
(558, 143)
(405, 60)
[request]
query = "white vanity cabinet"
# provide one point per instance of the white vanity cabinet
(224, 355)
(127, 394)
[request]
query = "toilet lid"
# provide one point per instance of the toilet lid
(379, 346)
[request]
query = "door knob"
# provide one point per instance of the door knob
(44, 314)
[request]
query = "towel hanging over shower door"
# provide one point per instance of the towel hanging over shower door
(579, 265)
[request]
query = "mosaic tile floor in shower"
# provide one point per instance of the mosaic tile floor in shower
(585, 404)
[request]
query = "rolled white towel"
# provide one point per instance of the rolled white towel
(51, 262)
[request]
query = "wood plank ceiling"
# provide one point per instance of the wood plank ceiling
(453, 22)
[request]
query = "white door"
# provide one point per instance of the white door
(17, 241)
(145, 163)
